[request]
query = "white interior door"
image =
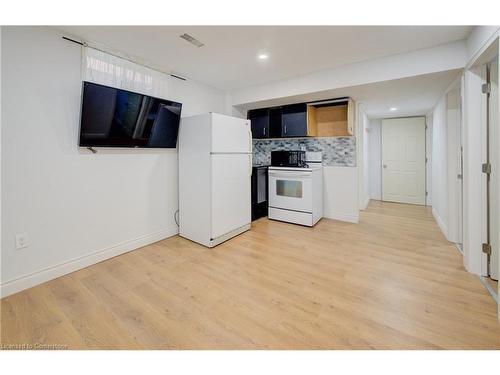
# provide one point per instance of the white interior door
(403, 160)
(494, 181)
(231, 199)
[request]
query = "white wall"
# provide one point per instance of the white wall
(364, 157)
(439, 165)
(453, 124)
(340, 193)
(375, 159)
(1, 127)
(446, 123)
(429, 156)
(76, 207)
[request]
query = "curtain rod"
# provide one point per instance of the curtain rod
(84, 44)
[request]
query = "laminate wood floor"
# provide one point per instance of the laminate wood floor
(390, 282)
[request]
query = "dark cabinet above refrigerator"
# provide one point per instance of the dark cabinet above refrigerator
(260, 122)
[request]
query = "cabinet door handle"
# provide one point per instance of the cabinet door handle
(285, 129)
(264, 131)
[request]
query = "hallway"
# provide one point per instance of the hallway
(390, 282)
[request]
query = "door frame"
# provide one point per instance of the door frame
(473, 255)
(493, 140)
(425, 154)
(474, 114)
(474, 193)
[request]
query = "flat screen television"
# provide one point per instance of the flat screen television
(113, 117)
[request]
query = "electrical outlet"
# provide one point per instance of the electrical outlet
(21, 241)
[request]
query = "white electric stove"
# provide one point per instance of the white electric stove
(296, 193)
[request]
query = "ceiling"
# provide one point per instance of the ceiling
(228, 60)
(413, 96)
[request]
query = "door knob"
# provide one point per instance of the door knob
(385, 165)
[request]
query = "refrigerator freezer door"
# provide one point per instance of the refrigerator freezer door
(230, 134)
(231, 199)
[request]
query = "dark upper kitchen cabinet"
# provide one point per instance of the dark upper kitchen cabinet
(275, 123)
(266, 123)
(259, 119)
(326, 118)
(294, 120)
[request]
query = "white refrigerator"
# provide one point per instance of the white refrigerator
(215, 167)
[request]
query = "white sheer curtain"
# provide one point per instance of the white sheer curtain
(109, 70)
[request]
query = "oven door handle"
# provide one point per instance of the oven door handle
(290, 174)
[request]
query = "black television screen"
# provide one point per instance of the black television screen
(112, 117)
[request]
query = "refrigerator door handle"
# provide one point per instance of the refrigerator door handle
(250, 165)
(249, 140)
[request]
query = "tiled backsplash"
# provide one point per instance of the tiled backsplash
(337, 151)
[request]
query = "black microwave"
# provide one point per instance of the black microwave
(290, 158)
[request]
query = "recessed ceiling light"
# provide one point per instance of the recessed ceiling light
(392, 109)
(263, 56)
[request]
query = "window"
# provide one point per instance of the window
(289, 188)
(110, 70)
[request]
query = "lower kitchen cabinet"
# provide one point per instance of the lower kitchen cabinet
(259, 192)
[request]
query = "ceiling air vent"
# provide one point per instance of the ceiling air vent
(192, 40)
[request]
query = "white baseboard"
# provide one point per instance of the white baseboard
(364, 204)
(341, 216)
(440, 222)
(24, 282)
